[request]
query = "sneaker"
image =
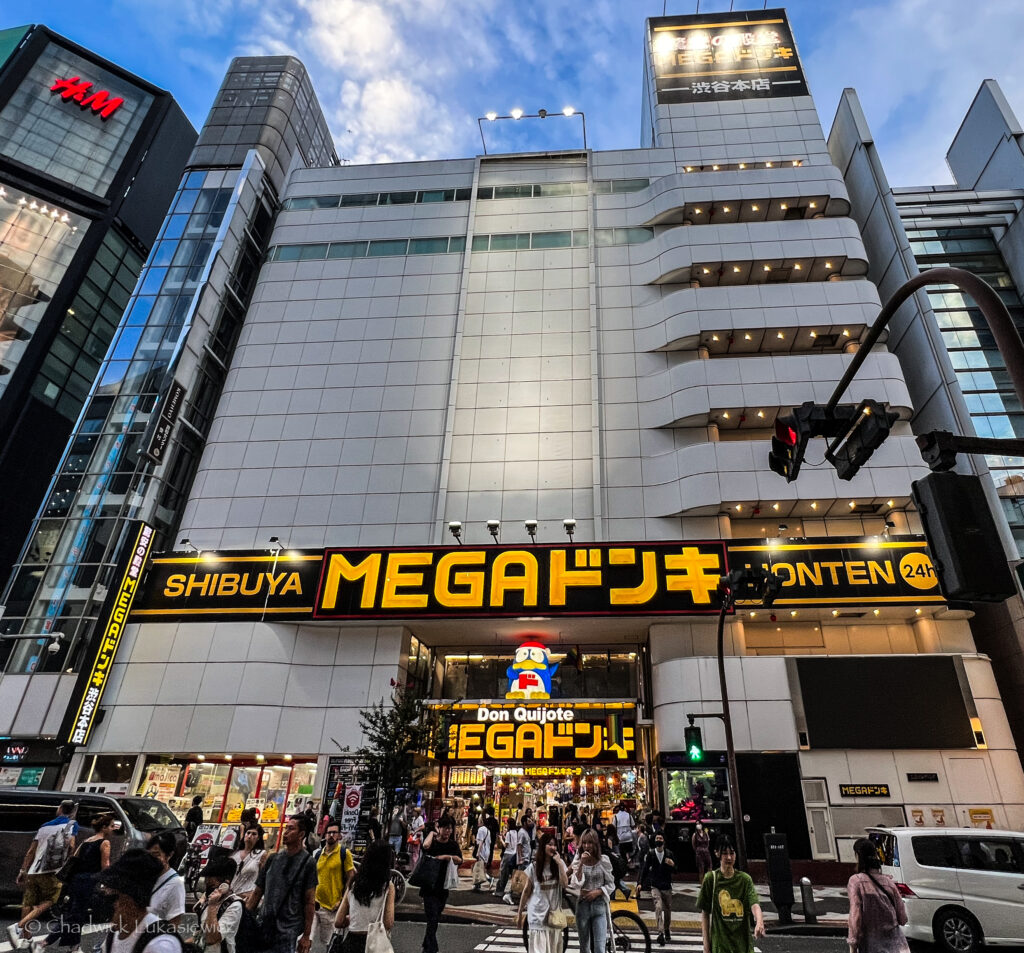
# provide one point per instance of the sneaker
(661, 939)
(508, 899)
(15, 935)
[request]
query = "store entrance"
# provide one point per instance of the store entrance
(545, 790)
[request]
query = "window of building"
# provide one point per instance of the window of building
(696, 794)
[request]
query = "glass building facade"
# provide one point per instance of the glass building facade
(980, 369)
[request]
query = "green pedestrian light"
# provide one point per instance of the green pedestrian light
(694, 745)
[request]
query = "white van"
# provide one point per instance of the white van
(963, 887)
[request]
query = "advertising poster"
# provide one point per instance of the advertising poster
(350, 811)
(205, 837)
(983, 817)
(160, 781)
(9, 777)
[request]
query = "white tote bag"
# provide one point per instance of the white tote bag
(451, 878)
(377, 939)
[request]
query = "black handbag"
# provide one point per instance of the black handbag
(429, 873)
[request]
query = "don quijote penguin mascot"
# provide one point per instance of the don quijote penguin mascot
(529, 675)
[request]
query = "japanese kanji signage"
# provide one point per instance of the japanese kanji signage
(740, 55)
(115, 615)
(553, 734)
(605, 579)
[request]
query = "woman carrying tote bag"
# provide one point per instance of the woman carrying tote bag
(541, 900)
(368, 909)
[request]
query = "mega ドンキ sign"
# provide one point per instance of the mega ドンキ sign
(605, 579)
(737, 55)
(116, 609)
(547, 734)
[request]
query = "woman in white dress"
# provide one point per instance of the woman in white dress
(249, 858)
(547, 878)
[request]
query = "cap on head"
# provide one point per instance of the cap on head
(133, 875)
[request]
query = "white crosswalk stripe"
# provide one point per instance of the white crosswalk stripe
(510, 940)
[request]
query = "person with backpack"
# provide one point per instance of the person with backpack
(287, 885)
(509, 859)
(625, 833)
(168, 899)
(334, 873)
(877, 910)
(131, 879)
(51, 848)
(219, 913)
(656, 869)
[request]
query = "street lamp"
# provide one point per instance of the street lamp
(748, 583)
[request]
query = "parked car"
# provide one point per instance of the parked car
(963, 887)
(22, 813)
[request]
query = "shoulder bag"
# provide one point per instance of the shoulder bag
(377, 939)
(429, 873)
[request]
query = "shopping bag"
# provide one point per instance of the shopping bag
(429, 873)
(517, 883)
(480, 873)
(451, 877)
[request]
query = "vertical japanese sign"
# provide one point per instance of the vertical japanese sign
(113, 620)
(740, 55)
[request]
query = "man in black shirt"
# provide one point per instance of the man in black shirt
(656, 871)
(491, 823)
(194, 817)
(373, 825)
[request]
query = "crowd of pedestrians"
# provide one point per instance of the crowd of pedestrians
(302, 899)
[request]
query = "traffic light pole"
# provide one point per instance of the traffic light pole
(1005, 333)
(730, 747)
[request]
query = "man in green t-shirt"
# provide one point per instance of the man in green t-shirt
(727, 900)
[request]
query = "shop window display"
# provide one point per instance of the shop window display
(697, 794)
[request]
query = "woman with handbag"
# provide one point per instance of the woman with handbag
(541, 900)
(592, 876)
(877, 910)
(441, 846)
(81, 871)
(368, 910)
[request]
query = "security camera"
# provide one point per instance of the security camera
(54, 647)
(493, 524)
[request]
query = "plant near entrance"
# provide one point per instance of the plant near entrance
(396, 735)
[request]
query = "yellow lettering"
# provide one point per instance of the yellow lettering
(390, 597)
(473, 597)
(247, 590)
(808, 574)
(562, 578)
(292, 584)
(857, 573)
(882, 572)
(832, 567)
(788, 571)
(501, 741)
(473, 739)
(228, 584)
(194, 583)
(339, 568)
(501, 582)
(530, 740)
(648, 587)
(175, 585)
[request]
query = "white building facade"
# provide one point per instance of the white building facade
(605, 337)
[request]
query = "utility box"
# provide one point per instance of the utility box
(780, 875)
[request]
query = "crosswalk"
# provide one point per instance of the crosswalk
(510, 940)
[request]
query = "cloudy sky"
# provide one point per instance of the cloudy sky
(407, 79)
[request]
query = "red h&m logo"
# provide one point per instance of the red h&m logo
(78, 89)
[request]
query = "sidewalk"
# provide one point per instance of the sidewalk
(466, 905)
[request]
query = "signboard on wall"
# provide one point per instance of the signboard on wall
(603, 579)
(547, 734)
(726, 56)
(113, 619)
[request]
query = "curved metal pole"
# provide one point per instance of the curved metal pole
(730, 748)
(1007, 337)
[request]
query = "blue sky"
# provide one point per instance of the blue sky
(407, 79)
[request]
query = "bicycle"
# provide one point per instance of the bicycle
(629, 934)
(192, 868)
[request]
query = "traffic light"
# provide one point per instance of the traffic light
(694, 745)
(867, 431)
(969, 560)
(788, 447)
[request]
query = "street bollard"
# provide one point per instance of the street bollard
(807, 900)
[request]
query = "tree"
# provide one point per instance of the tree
(395, 735)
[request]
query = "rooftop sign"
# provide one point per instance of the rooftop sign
(715, 57)
(78, 90)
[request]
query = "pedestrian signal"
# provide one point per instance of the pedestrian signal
(694, 745)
